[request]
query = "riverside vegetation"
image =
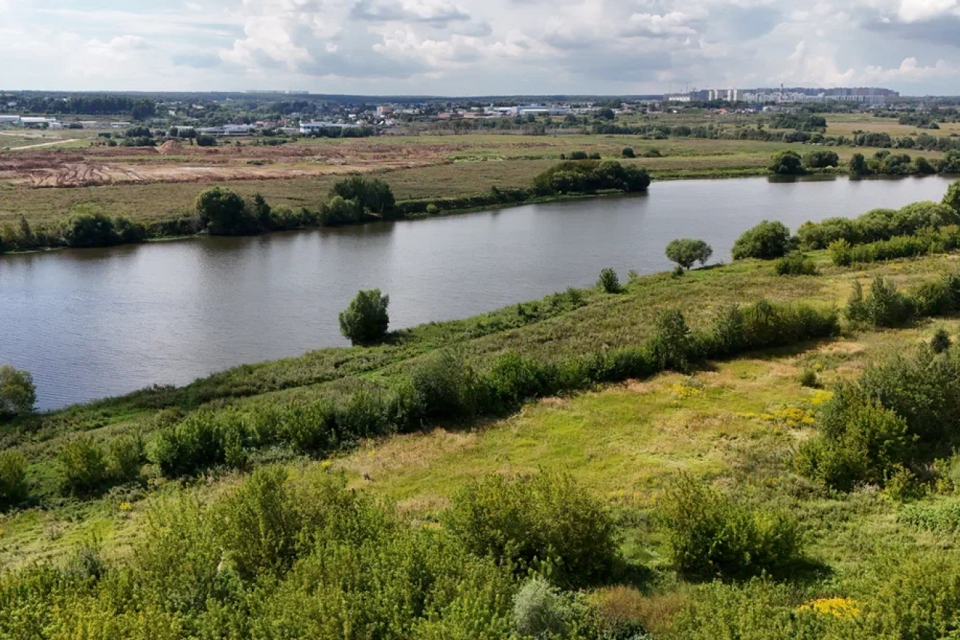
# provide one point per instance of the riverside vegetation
(690, 460)
(221, 211)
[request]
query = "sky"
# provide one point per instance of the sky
(479, 47)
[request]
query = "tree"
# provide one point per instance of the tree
(372, 195)
(224, 213)
(686, 251)
(366, 320)
(858, 166)
(606, 114)
(609, 281)
(952, 199)
(821, 159)
(18, 395)
(261, 211)
(786, 163)
(767, 240)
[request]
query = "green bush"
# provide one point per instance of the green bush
(225, 213)
(628, 152)
(952, 198)
(366, 320)
(18, 395)
(940, 341)
(546, 520)
(126, 458)
(541, 610)
(884, 307)
(445, 387)
(860, 442)
(686, 252)
(808, 378)
(588, 176)
(515, 378)
(83, 467)
(260, 525)
(339, 211)
(370, 194)
(609, 281)
(765, 241)
(820, 159)
(673, 344)
(196, 443)
(86, 230)
(710, 535)
(795, 264)
(786, 163)
(14, 489)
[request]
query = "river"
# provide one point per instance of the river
(94, 323)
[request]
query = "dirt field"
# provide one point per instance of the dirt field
(176, 163)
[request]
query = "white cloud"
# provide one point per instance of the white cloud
(481, 46)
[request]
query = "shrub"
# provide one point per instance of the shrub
(884, 307)
(198, 442)
(89, 230)
(14, 489)
(952, 198)
(786, 163)
(685, 252)
(628, 152)
(224, 213)
(366, 320)
(514, 379)
(536, 521)
(858, 166)
(808, 378)
(609, 281)
(444, 387)
(923, 167)
(672, 345)
(820, 159)
(712, 536)
(578, 155)
(859, 442)
(540, 610)
(371, 194)
(337, 211)
(260, 525)
(766, 241)
(127, 455)
(940, 341)
(588, 176)
(795, 264)
(83, 467)
(18, 395)
(205, 140)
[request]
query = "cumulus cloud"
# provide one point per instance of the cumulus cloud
(485, 46)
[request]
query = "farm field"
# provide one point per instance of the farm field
(151, 184)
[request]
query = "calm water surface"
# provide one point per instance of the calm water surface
(95, 323)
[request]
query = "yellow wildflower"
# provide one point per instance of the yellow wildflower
(839, 607)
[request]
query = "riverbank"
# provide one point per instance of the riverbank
(732, 423)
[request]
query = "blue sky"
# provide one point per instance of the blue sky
(474, 47)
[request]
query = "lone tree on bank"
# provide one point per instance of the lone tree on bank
(366, 320)
(18, 395)
(685, 252)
